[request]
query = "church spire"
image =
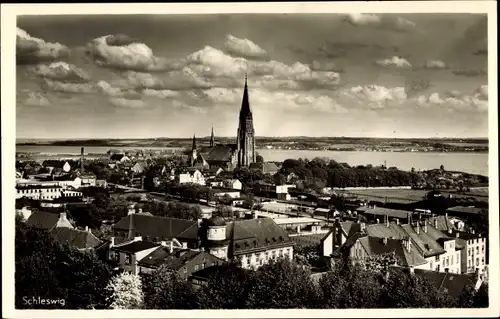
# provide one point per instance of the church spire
(194, 142)
(212, 138)
(245, 104)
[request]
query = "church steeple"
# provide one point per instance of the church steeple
(246, 133)
(194, 153)
(212, 138)
(194, 142)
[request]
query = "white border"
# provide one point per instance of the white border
(9, 13)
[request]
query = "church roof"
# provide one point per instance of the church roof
(245, 111)
(221, 152)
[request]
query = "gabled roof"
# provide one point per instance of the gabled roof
(44, 220)
(173, 260)
(422, 241)
(75, 238)
(453, 284)
(383, 230)
(376, 246)
(442, 223)
(221, 153)
(264, 166)
(135, 246)
(256, 234)
(350, 228)
(156, 226)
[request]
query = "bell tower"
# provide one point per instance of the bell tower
(246, 134)
(194, 153)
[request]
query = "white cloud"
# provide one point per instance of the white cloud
(132, 56)
(326, 66)
(403, 24)
(61, 71)
(394, 61)
(244, 48)
(162, 94)
(109, 90)
(363, 19)
(68, 87)
(373, 96)
(174, 80)
(482, 92)
(33, 50)
(435, 64)
(453, 101)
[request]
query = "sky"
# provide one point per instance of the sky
(144, 76)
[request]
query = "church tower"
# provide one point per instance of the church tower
(212, 139)
(246, 134)
(194, 154)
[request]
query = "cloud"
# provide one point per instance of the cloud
(130, 55)
(394, 61)
(453, 101)
(244, 48)
(127, 103)
(184, 79)
(109, 90)
(413, 86)
(162, 94)
(469, 72)
(36, 99)
(382, 22)
(62, 71)
(31, 50)
(373, 96)
(435, 64)
(68, 87)
(482, 92)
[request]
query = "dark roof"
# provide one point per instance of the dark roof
(267, 166)
(175, 260)
(207, 272)
(381, 211)
(423, 242)
(41, 219)
(216, 221)
(53, 163)
(464, 209)
(256, 234)
(442, 223)
(36, 186)
(116, 157)
(350, 228)
(454, 284)
(75, 238)
(376, 246)
(221, 153)
(136, 246)
(156, 226)
(211, 170)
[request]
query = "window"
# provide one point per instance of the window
(477, 261)
(477, 249)
(196, 267)
(451, 262)
(447, 261)
(128, 259)
(203, 266)
(437, 258)
(185, 270)
(267, 255)
(482, 249)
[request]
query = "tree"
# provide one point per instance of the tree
(125, 291)
(226, 288)
(47, 269)
(441, 168)
(281, 284)
(259, 158)
(224, 211)
(163, 289)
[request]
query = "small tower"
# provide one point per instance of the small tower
(216, 237)
(212, 139)
(194, 154)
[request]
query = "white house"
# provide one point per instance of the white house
(191, 177)
(232, 183)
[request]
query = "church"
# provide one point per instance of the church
(229, 156)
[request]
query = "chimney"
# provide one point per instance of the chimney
(449, 231)
(397, 221)
(362, 227)
(387, 220)
(473, 231)
(378, 221)
(417, 229)
(171, 246)
(384, 240)
(112, 241)
(435, 223)
(457, 235)
(87, 229)
(139, 211)
(425, 227)
(131, 210)
(81, 161)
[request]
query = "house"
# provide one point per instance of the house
(127, 254)
(473, 254)
(48, 221)
(298, 225)
(24, 212)
(119, 158)
(38, 190)
(338, 235)
(232, 184)
(221, 192)
(86, 179)
(56, 164)
(156, 229)
(184, 262)
(264, 167)
(252, 242)
(449, 283)
(443, 223)
(211, 172)
(190, 176)
(139, 168)
(377, 214)
(82, 240)
(221, 155)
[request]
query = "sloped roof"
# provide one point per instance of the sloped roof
(350, 227)
(156, 226)
(454, 284)
(464, 209)
(135, 246)
(116, 157)
(221, 153)
(442, 223)
(44, 220)
(381, 211)
(264, 166)
(427, 245)
(75, 238)
(256, 234)
(376, 246)
(383, 231)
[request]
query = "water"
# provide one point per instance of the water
(475, 163)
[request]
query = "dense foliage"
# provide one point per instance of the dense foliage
(52, 271)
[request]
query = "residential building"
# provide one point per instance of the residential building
(119, 158)
(473, 254)
(128, 254)
(338, 235)
(48, 221)
(252, 242)
(232, 184)
(449, 283)
(82, 240)
(184, 262)
(378, 214)
(298, 225)
(264, 167)
(191, 176)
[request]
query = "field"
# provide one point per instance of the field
(406, 196)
